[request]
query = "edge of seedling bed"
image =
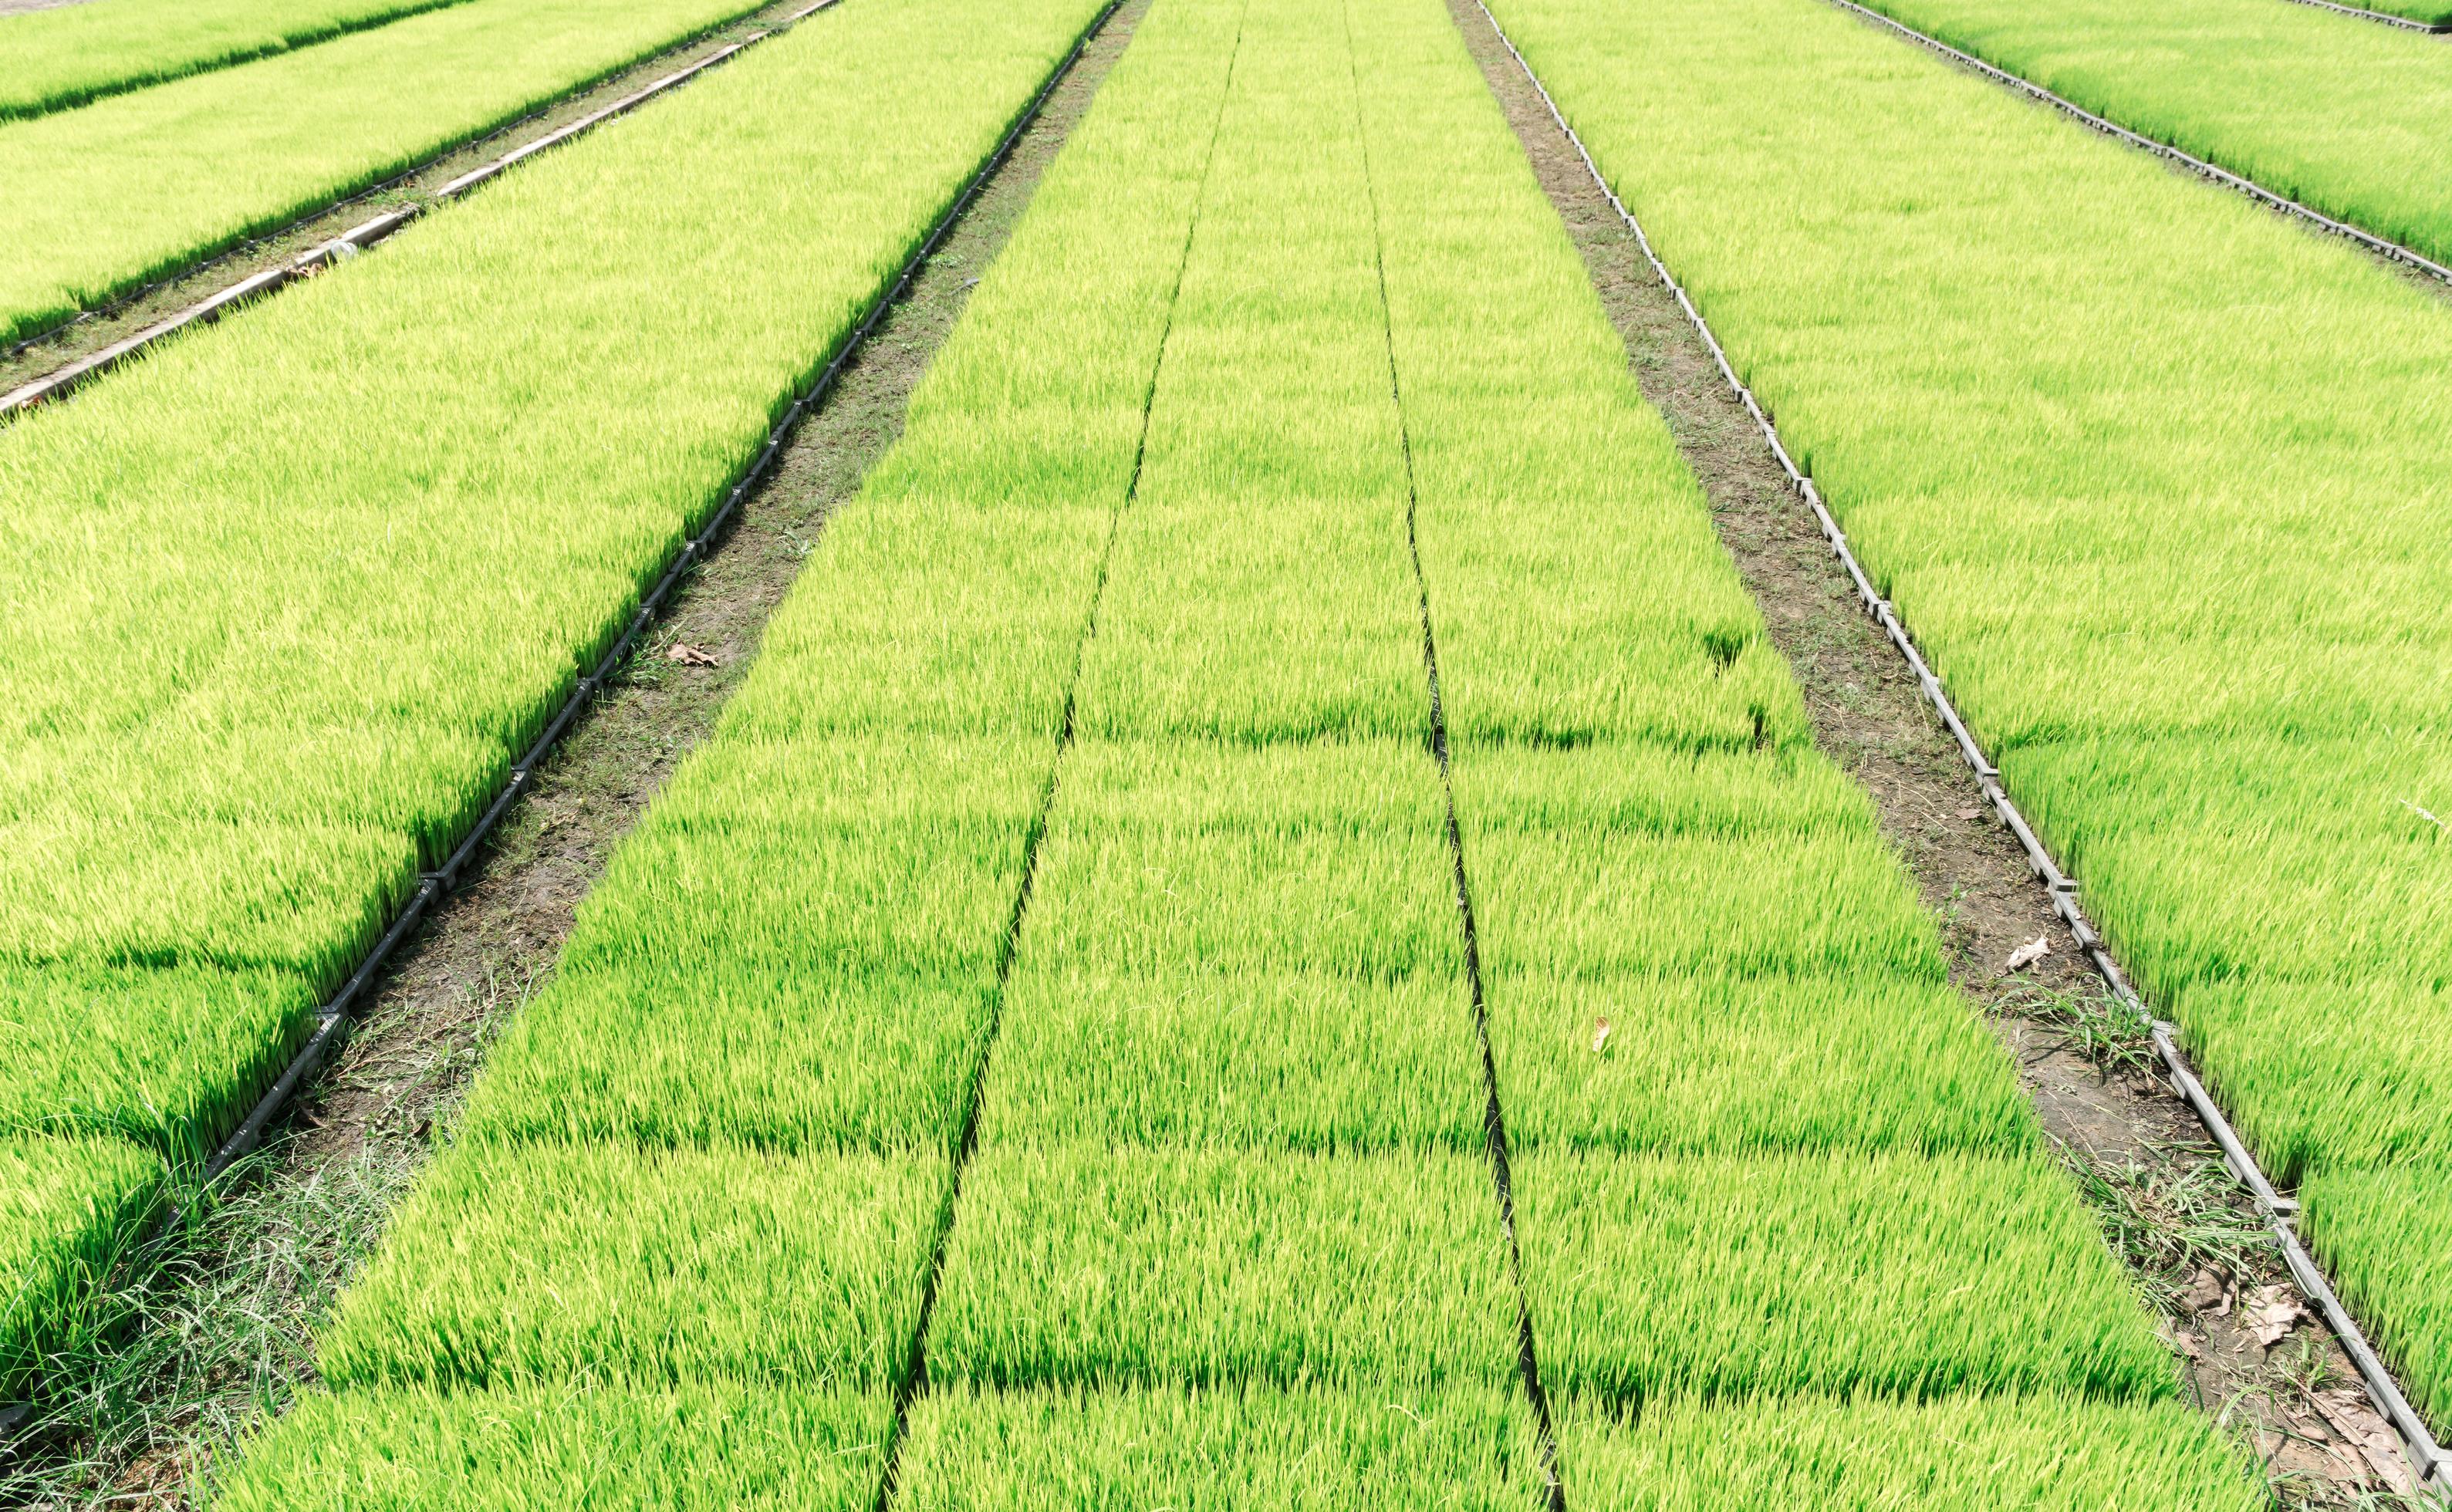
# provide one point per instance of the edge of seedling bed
(2431, 29)
(2382, 246)
(2433, 1462)
(335, 1018)
(358, 238)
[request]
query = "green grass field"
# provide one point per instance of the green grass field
(1280, 705)
(104, 199)
(2344, 118)
(51, 60)
(2155, 476)
(272, 669)
(1229, 1234)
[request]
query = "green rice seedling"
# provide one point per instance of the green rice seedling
(2106, 438)
(51, 60)
(67, 1206)
(1724, 1064)
(2324, 1074)
(1574, 602)
(1657, 790)
(1302, 1060)
(1260, 588)
(2382, 1236)
(909, 862)
(1209, 1450)
(2342, 118)
(294, 592)
(701, 1052)
(932, 615)
(536, 1263)
(1898, 1274)
(301, 897)
(652, 1247)
(163, 1056)
(1598, 904)
(1290, 620)
(696, 1448)
(1329, 858)
(104, 199)
(1092, 1265)
(2047, 1452)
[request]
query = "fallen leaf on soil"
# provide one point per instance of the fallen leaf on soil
(2350, 1416)
(2028, 954)
(2202, 1292)
(690, 655)
(2272, 1314)
(1600, 1035)
(1971, 813)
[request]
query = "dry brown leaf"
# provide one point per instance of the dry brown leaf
(1971, 813)
(1600, 1036)
(2028, 954)
(690, 655)
(2203, 1291)
(2272, 1313)
(2355, 1418)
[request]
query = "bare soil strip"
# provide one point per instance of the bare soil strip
(123, 318)
(2189, 1231)
(224, 1330)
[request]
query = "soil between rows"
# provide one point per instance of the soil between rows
(123, 317)
(227, 1321)
(2299, 1402)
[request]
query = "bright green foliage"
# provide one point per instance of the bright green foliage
(2382, 1235)
(165, 1055)
(1360, 887)
(796, 949)
(1911, 1276)
(103, 199)
(719, 1050)
(2090, 425)
(67, 1206)
(2349, 120)
(555, 1262)
(292, 593)
(1227, 1147)
(1738, 909)
(1092, 1265)
(2046, 1453)
(1308, 1060)
(1697, 1063)
(52, 59)
(715, 1154)
(567, 1444)
(1220, 1451)
(1263, 1164)
(1585, 900)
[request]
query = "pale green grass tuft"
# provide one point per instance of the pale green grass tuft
(567, 1444)
(67, 1208)
(1220, 1451)
(1090, 1264)
(1904, 1275)
(534, 1263)
(2044, 1453)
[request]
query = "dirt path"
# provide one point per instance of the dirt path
(2188, 1231)
(228, 1320)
